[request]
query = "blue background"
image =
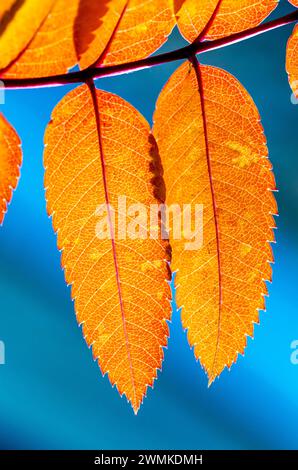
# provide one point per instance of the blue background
(52, 394)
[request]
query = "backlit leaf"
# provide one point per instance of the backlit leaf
(233, 16)
(19, 21)
(52, 50)
(214, 153)
(10, 161)
(94, 28)
(292, 57)
(87, 31)
(126, 30)
(98, 147)
(292, 61)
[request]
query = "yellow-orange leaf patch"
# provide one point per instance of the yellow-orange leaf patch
(19, 21)
(81, 32)
(10, 161)
(233, 16)
(52, 50)
(126, 30)
(98, 147)
(214, 153)
(292, 60)
(5, 7)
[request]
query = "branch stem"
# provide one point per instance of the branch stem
(183, 53)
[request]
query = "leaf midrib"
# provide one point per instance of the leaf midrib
(198, 73)
(115, 258)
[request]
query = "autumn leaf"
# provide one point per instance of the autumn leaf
(19, 22)
(292, 57)
(94, 28)
(232, 16)
(52, 49)
(128, 30)
(214, 153)
(292, 61)
(98, 147)
(10, 162)
(87, 31)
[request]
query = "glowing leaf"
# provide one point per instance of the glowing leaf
(233, 16)
(52, 50)
(89, 31)
(95, 26)
(18, 25)
(98, 147)
(10, 161)
(292, 57)
(125, 30)
(292, 61)
(214, 153)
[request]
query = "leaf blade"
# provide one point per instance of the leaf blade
(18, 26)
(292, 61)
(233, 16)
(134, 31)
(86, 32)
(52, 50)
(218, 141)
(11, 160)
(119, 288)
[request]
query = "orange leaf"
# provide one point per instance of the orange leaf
(95, 25)
(10, 161)
(98, 147)
(125, 30)
(214, 153)
(292, 61)
(52, 50)
(82, 31)
(19, 22)
(233, 16)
